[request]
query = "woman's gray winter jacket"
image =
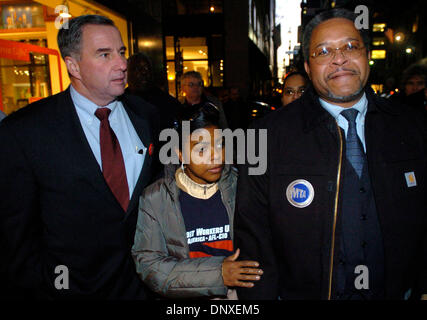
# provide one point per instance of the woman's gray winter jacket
(160, 250)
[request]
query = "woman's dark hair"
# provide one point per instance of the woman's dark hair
(293, 73)
(199, 116)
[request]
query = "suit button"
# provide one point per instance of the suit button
(364, 244)
(362, 190)
(342, 262)
(363, 217)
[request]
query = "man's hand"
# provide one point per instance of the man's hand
(240, 273)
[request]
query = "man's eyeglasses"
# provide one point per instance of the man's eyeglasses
(291, 92)
(324, 55)
(193, 84)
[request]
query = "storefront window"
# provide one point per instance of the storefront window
(21, 16)
(24, 73)
(170, 69)
(23, 82)
(185, 54)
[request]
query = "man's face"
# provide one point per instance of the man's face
(342, 79)
(101, 70)
(192, 88)
(414, 84)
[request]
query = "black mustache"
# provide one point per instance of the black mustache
(331, 75)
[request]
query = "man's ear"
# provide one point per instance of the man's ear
(73, 67)
(307, 69)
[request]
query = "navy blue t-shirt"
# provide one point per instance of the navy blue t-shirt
(207, 225)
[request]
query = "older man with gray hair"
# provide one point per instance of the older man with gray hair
(72, 169)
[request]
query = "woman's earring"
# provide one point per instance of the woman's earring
(182, 166)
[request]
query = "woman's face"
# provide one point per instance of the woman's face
(203, 155)
(293, 89)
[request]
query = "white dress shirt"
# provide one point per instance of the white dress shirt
(129, 141)
(361, 106)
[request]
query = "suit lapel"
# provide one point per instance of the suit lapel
(70, 131)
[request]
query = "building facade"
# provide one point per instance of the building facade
(229, 42)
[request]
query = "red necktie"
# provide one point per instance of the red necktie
(113, 165)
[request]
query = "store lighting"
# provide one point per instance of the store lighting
(212, 8)
(378, 27)
(65, 14)
(378, 54)
(399, 37)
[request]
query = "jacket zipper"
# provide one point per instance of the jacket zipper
(335, 214)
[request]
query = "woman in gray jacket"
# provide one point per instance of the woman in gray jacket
(183, 242)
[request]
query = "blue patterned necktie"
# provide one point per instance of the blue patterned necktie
(354, 149)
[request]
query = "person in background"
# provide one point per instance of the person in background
(73, 167)
(141, 83)
(414, 92)
(236, 109)
(184, 237)
(192, 89)
(341, 212)
(294, 86)
(414, 78)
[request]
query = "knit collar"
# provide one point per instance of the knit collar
(197, 190)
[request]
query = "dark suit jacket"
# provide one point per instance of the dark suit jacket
(56, 208)
(298, 248)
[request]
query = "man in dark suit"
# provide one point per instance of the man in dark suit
(341, 211)
(72, 168)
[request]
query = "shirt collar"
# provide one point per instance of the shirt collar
(86, 106)
(334, 110)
